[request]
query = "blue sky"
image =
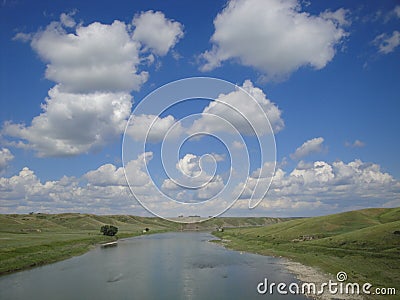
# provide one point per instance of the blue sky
(326, 75)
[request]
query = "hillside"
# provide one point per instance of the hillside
(365, 243)
(37, 239)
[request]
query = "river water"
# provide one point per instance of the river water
(160, 266)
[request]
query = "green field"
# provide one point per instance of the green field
(365, 244)
(37, 239)
(32, 240)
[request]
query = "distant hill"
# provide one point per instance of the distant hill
(37, 239)
(75, 221)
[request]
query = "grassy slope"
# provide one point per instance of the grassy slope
(228, 222)
(361, 243)
(32, 240)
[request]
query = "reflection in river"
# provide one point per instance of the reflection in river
(159, 266)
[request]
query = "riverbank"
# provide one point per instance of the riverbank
(303, 273)
(42, 249)
(314, 275)
(36, 239)
(364, 244)
(28, 241)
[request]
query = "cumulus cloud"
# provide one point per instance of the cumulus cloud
(101, 191)
(73, 123)
(189, 165)
(355, 144)
(157, 33)
(67, 19)
(21, 186)
(205, 192)
(95, 67)
(387, 43)
(314, 187)
(245, 110)
(110, 175)
(314, 145)
(325, 185)
(236, 108)
(274, 36)
(194, 174)
(339, 16)
(153, 128)
(5, 157)
(192, 165)
(97, 57)
(211, 189)
(106, 175)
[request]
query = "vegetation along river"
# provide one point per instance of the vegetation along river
(160, 266)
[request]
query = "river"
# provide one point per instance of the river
(159, 266)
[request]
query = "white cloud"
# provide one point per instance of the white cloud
(237, 109)
(95, 67)
(110, 175)
(73, 123)
(202, 185)
(311, 188)
(136, 173)
(314, 145)
(274, 36)
(397, 11)
(67, 19)
(97, 57)
(393, 14)
(189, 165)
(5, 157)
(191, 173)
(106, 175)
(100, 191)
(22, 37)
(355, 144)
(339, 16)
(202, 193)
(211, 189)
(157, 33)
(21, 186)
(153, 127)
(387, 43)
(320, 185)
(320, 172)
(238, 145)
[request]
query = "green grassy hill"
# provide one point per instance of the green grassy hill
(362, 243)
(37, 239)
(228, 222)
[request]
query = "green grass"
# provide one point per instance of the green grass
(32, 240)
(361, 243)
